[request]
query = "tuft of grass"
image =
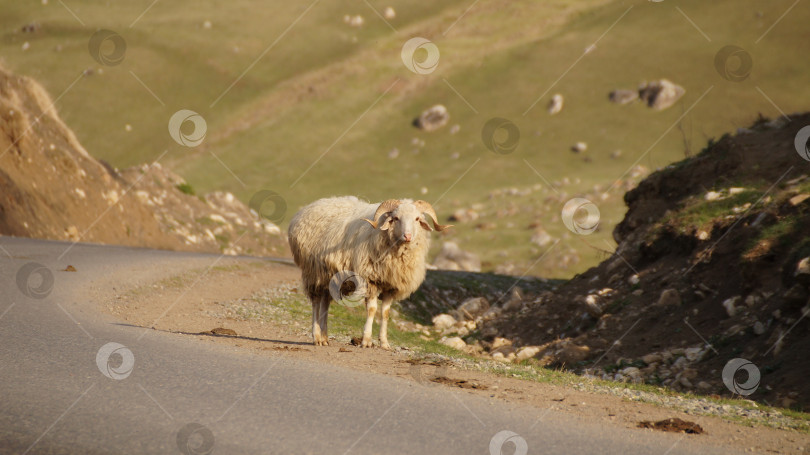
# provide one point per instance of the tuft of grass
(186, 188)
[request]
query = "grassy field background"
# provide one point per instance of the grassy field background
(315, 106)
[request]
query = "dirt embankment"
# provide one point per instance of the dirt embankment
(52, 188)
(712, 265)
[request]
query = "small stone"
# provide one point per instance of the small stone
(759, 328)
(499, 342)
(803, 267)
(453, 342)
(703, 235)
(637, 292)
(703, 385)
(472, 308)
(389, 13)
(634, 279)
(660, 94)
(669, 297)
(556, 104)
(685, 382)
(712, 196)
(652, 358)
(579, 147)
(527, 353)
(798, 199)
(443, 321)
(735, 190)
(693, 354)
(622, 96)
(432, 118)
(731, 305)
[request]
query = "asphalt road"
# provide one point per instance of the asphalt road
(64, 389)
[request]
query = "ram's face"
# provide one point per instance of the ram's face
(404, 222)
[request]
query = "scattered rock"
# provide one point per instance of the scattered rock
(354, 21)
(669, 297)
(758, 328)
(730, 305)
(622, 96)
(555, 105)
(432, 118)
(69, 268)
(515, 301)
(499, 342)
(389, 13)
(634, 279)
(803, 268)
(541, 238)
(443, 321)
(32, 27)
(571, 354)
(472, 308)
(713, 196)
(527, 353)
(798, 199)
(579, 147)
(464, 215)
(454, 342)
(660, 94)
(451, 257)
(652, 358)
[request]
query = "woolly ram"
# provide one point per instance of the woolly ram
(382, 248)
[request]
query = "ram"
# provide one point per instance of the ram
(382, 248)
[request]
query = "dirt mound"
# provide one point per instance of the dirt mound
(50, 187)
(711, 266)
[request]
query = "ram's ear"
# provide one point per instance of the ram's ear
(424, 224)
(386, 222)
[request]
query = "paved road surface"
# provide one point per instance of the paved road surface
(54, 397)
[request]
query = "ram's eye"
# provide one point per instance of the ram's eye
(395, 218)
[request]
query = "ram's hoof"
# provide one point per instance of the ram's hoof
(367, 343)
(321, 342)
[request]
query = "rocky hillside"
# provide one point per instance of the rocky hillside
(713, 264)
(52, 188)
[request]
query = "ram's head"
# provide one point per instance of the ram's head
(401, 217)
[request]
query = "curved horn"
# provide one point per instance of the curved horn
(384, 207)
(425, 207)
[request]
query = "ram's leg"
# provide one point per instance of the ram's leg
(371, 310)
(323, 314)
(316, 329)
(384, 309)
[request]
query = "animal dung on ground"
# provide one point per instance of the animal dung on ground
(674, 425)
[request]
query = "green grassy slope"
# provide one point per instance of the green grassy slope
(326, 86)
